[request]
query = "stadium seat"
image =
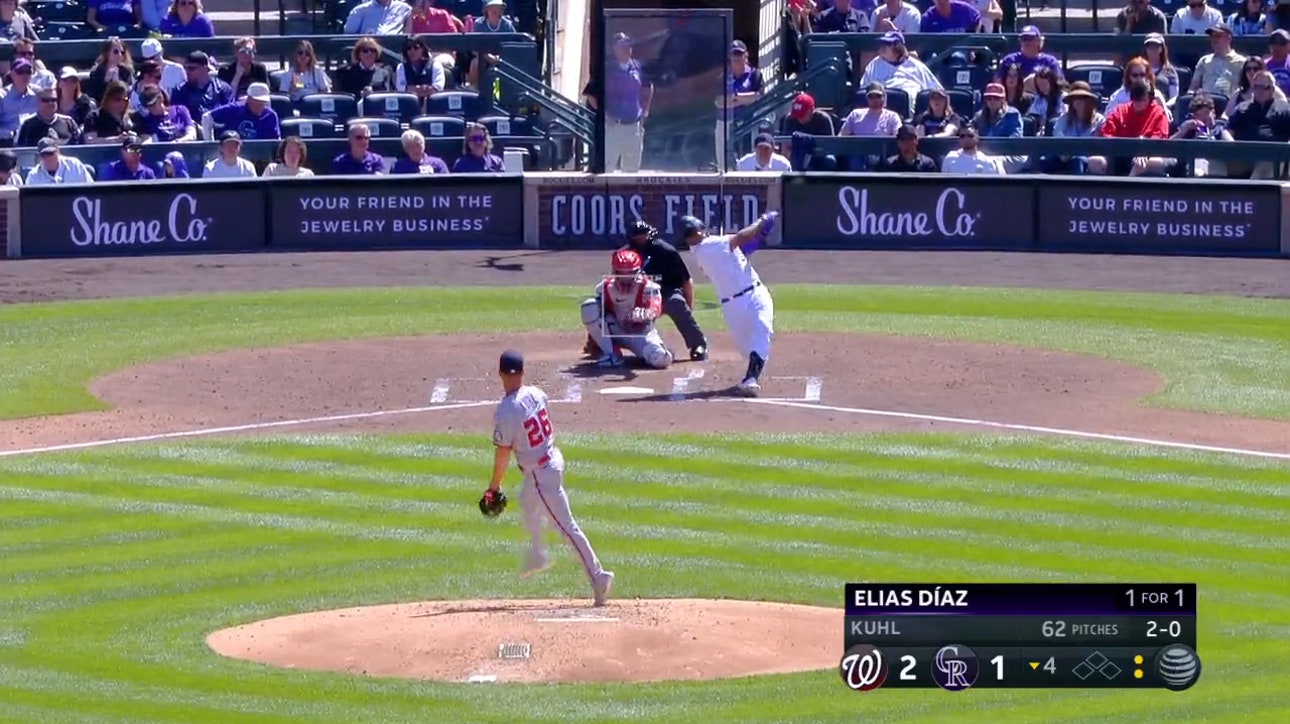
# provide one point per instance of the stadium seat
(308, 128)
(898, 101)
(1184, 79)
(1103, 79)
(282, 105)
(126, 31)
(961, 102)
(66, 31)
(1182, 108)
(380, 127)
(463, 104)
(440, 126)
(507, 125)
(970, 78)
(56, 11)
(1029, 126)
(400, 106)
(275, 79)
(335, 107)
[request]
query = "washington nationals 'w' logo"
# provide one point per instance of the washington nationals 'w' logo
(864, 668)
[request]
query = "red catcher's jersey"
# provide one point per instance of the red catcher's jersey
(620, 302)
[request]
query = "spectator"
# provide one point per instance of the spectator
(48, 123)
(1265, 118)
(1030, 58)
(149, 74)
(968, 159)
(494, 21)
(1253, 66)
(130, 166)
(630, 95)
(378, 17)
(365, 74)
(187, 19)
(991, 15)
(358, 160)
(763, 157)
(1139, 17)
(907, 158)
(173, 166)
(1278, 15)
(41, 77)
(897, 16)
(16, 22)
(418, 74)
(1249, 19)
(1046, 103)
(939, 120)
(18, 100)
(997, 119)
(1203, 126)
(152, 12)
(252, 118)
(172, 73)
(291, 156)
(200, 93)
(951, 16)
(304, 76)
(1142, 117)
(1081, 120)
(159, 121)
(1195, 19)
(1156, 52)
(112, 121)
(9, 174)
(1278, 60)
(55, 168)
(895, 68)
(804, 122)
(415, 159)
(1136, 69)
(229, 163)
(71, 100)
(113, 63)
(1219, 72)
(875, 119)
(842, 18)
(105, 14)
(477, 156)
(1014, 89)
(245, 69)
(744, 85)
(425, 18)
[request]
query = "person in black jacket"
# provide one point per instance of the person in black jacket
(909, 160)
(1262, 118)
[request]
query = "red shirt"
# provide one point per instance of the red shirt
(436, 20)
(1124, 122)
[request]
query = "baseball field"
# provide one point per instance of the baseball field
(243, 488)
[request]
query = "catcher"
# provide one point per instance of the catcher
(621, 315)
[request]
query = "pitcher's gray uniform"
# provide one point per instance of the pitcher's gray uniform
(523, 423)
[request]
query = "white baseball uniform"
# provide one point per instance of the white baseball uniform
(745, 301)
(607, 317)
(522, 422)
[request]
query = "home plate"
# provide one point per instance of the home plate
(627, 391)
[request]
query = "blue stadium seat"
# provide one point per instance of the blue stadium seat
(1103, 79)
(1182, 107)
(56, 11)
(962, 102)
(970, 78)
(1029, 126)
(499, 125)
(1184, 79)
(282, 105)
(275, 79)
(463, 104)
(66, 31)
(400, 106)
(440, 126)
(308, 128)
(898, 101)
(380, 127)
(335, 107)
(126, 31)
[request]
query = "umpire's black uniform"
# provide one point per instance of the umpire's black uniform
(663, 264)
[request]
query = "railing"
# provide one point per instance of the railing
(579, 121)
(783, 93)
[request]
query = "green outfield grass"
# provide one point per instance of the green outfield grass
(1216, 353)
(116, 563)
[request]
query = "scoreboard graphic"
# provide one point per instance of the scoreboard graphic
(1011, 635)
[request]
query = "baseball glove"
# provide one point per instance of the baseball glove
(493, 503)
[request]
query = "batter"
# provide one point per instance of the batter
(745, 301)
(522, 425)
(622, 313)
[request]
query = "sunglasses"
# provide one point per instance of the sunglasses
(1262, 87)
(367, 51)
(1137, 75)
(24, 71)
(115, 51)
(26, 54)
(477, 139)
(48, 100)
(134, 149)
(303, 54)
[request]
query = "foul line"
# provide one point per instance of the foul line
(238, 428)
(1026, 428)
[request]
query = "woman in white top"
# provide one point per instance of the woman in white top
(291, 159)
(230, 163)
(304, 76)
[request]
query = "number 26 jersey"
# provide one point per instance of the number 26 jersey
(523, 424)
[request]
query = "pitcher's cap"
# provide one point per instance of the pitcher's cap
(512, 362)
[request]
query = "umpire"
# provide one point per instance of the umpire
(664, 265)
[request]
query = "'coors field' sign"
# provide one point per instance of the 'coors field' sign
(593, 212)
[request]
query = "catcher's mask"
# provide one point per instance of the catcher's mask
(626, 268)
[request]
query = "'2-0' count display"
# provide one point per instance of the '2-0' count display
(959, 636)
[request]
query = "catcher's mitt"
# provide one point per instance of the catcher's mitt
(493, 503)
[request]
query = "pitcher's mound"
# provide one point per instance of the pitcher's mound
(542, 640)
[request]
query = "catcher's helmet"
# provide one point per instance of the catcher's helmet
(626, 267)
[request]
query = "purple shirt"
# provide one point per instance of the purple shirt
(963, 19)
(1028, 65)
(113, 12)
(623, 91)
(1280, 69)
(429, 165)
(199, 27)
(747, 82)
(116, 171)
(236, 116)
(173, 125)
(836, 21)
(346, 165)
(470, 163)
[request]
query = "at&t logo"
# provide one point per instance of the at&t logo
(864, 668)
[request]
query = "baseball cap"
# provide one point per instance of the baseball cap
(803, 106)
(68, 71)
(938, 92)
(738, 48)
(906, 132)
(622, 39)
(892, 37)
(258, 92)
(495, 4)
(8, 160)
(151, 48)
(690, 225)
(131, 141)
(511, 362)
(46, 145)
(1030, 31)
(994, 90)
(764, 138)
(20, 64)
(1154, 39)
(229, 136)
(1279, 37)
(875, 89)
(198, 57)
(1219, 29)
